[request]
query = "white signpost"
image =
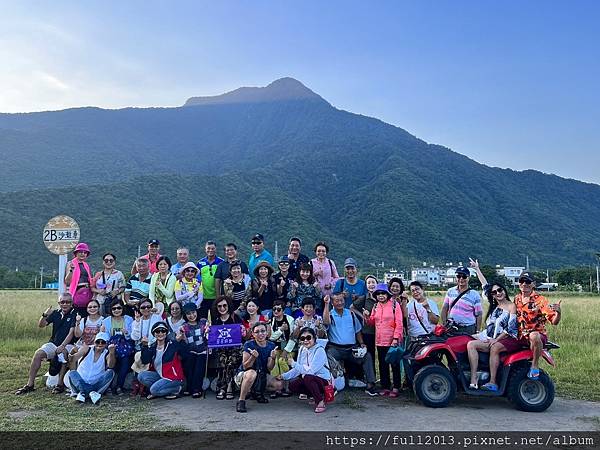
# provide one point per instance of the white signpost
(61, 236)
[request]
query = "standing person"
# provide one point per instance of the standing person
(368, 331)
(423, 312)
(258, 359)
(353, 288)
(63, 323)
(162, 285)
(304, 286)
(183, 257)
(224, 267)
(387, 319)
(166, 378)
(324, 270)
(344, 335)
(108, 284)
(86, 328)
(296, 258)
(152, 257)
(94, 372)
(283, 281)
(79, 278)
(208, 268)
(238, 287)
(264, 291)
(462, 305)
(118, 326)
(309, 373)
(229, 358)
(259, 253)
(189, 289)
(194, 332)
(138, 286)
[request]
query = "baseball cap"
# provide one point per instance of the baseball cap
(462, 270)
(526, 276)
(153, 242)
(258, 237)
(350, 262)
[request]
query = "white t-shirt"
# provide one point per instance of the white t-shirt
(414, 326)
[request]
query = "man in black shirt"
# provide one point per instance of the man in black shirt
(222, 272)
(63, 324)
(296, 258)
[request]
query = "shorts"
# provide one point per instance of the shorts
(512, 345)
(50, 349)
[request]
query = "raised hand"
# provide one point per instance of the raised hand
(49, 310)
(78, 318)
(144, 341)
(366, 313)
(556, 306)
(181, 335)
(138, 316)
(111, 348)
(327, 299)
(474, 263)
(284, 327)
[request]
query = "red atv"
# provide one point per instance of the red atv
(438, 365)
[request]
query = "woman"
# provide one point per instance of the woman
(119, 326)
(303, 287)
(368, 331)
(282, 327)
(387, 319)
(164, 356)
(324, 270)
(264, 290)
(229, 357)
(194, 332)
(252, 317)
(309, 318)
(88, 327)
(143, 323)
(175, 319)
(309, 373)
(79, 278)
(423, 312)
(189, 289)
(238, 286)
(108, 284)
(500, 332)
(162, 285)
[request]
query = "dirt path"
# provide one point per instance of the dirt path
(355, 411)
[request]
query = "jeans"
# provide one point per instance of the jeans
(122, 369)
(79, 385)
(159, 386)
(345, 354)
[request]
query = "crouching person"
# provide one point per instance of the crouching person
(165, 378)
(94, 373)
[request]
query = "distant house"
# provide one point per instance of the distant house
(393, 273)
(427, 275)
(512, 274)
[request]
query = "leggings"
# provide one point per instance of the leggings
(311, 385)
(384, 370)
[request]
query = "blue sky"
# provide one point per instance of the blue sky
(509, 84)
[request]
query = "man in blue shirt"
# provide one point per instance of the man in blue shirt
(352, 287)
(344, 335)
(259, 253)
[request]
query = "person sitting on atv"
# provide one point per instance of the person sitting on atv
(500, 330)
(462, 306)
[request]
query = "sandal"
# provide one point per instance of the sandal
(151, 397)
(171, 397)
(490, 387)
(275, 394)
(197, 395)
(229, 396)
(24, 390)
(320, 409)
(473, 386)
(58, 389)
(285, 394)
(533, 374)
(221, 395)
(393, 393)
(262, 399)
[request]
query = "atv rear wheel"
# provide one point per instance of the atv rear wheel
(530, 395)
(435, 386)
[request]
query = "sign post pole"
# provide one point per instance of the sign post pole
(62, 266)
(60, 236)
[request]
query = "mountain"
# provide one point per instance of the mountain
(283, 161)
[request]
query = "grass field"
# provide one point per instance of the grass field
(576, 374)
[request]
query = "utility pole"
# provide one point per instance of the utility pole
(139, 251)
(276, 252)
(527, 265)
(597, 273)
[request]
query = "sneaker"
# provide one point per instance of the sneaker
(356, 383)
(95, 397)
(72, 394)
(303, 397)
(241, 406)
(80, 398)
(371, 391)
(61, 358)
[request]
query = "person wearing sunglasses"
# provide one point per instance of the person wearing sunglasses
(94, 372)
(108, 284)
(61, 340)
(86, 328)
(145, 318)
(282, 326)
(309, 373)
(138, 286)
(462, 305)
(119, 326)
(259, 253)
(189, 288)
(166, 377)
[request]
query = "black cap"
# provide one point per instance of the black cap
(462, 270)
(526, 276)
(153, 242)
(258, 237)
(160, 326)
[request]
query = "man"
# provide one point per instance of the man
(462, 305)
(282, 281)
(183, 257)
(152, 257)
(207, 267)
(344, 334)
(352, 288)
(138, 286)
(222, 272)
(533, 311)
(422, 312)
(259, 254)
(63, 324)
(295, 258)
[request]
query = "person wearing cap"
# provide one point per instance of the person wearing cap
(259, 253)
(386, 316)
(462, 306)
(94, 372)
(189, 289)
(324, 269)
(138, 286)
(264, 291)
(79, 278)
(166, 377)
(208, 268)
(533, 312)
(152, 257)
(194, 332)
(183, 257)
(295, 258)
(222, 272)
(353, 288)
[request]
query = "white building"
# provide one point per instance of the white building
(512, 274)
(393, 273)
(427, 275)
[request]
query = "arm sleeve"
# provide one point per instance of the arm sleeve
(319, 360)
(399, 323)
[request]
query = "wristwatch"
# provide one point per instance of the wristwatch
(44, 315)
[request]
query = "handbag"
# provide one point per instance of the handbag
(394, 354)
(329, 392)
(123, 347)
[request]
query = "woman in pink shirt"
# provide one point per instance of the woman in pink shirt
(386, 316)
(324, 269)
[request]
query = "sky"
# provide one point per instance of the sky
(510, 84)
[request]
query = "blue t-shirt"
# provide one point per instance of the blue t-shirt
(358, 288)
(260, 364)
(254, 260)
(343, 329)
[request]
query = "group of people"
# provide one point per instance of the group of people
(302, 325)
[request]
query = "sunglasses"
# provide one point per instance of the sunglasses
(305, 338)
(222, 306)
(160, 330)
(256, 243)
(189, 270)
(525, 281)
(116, 308)
(284, 263)
(146, 307)
(464, 277)
(278, 308)
(101, 342)
(496, 291)
(109, 260)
